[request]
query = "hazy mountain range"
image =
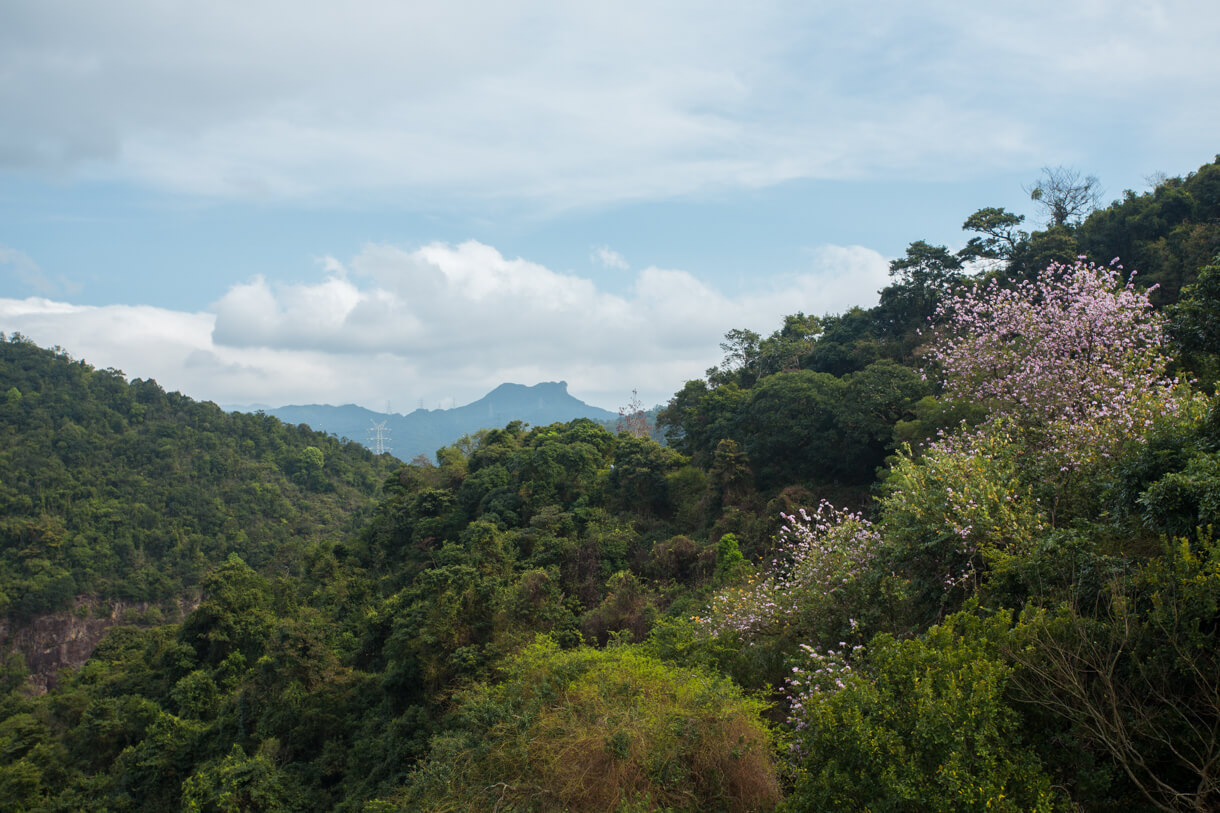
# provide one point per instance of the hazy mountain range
(426, 430)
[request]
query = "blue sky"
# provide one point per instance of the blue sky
(286, 202)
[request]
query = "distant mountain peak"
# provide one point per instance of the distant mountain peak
(560, 387)
(426, 430)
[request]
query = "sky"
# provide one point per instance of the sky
(403, 205)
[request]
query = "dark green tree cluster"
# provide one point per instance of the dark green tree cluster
(799, 427)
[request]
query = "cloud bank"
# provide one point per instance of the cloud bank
(583, 104)
(442, 323)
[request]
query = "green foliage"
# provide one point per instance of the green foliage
(1194, 324)
(789, 434)
(999, 235)
(309, 465)
(599, 730)
(876, 400)
(1182, 501)
(956, 512)
(638, 479)
(922, 279)
(122, 490)
(348, 656)
(796, 425)
(625, 612)
(239, 783)
(1167, 233)
(731, 566)
(922, 724)
(931, 417)
(234, 619)
(1135, 675)
(849, 341)
(1168, 485)
(698, 418)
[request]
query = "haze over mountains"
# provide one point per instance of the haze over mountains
(426, 430)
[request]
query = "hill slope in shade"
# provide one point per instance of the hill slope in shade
(122, 491)
(426, 430)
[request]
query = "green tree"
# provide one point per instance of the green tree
(849, 341)
(1136, 675)
(1194, 324)
(789, 429)
(731, 566)
(740, 364)
(239, 783)
(235, 617)
(923, 278)
(874, 401)
(637, 482)
(999, 236)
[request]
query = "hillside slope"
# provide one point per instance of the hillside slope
(123, 491)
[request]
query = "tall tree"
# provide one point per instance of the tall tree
(999, 235)
(922, 278)
(1065, 196)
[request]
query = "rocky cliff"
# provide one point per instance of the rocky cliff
(65, 640)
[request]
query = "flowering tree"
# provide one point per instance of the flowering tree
(819, 558)
(1074, 357)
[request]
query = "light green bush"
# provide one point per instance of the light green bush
(599, 730)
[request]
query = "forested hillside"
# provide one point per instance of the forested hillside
(124, 491)
(953, 552)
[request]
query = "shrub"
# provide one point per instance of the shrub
(921, 724)
(599, 730)
(961, 509)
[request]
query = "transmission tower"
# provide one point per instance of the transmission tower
(379, 437)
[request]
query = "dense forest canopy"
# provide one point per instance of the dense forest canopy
(122, 490)
(952, 552)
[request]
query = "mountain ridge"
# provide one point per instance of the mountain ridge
(423, 431)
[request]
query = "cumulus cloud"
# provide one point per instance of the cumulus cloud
(146, 342)
(176, 349)
(579, 104)
(465, 314)
(443, 322)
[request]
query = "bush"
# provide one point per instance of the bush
(921, 724)
(961, 509)
(599, 730)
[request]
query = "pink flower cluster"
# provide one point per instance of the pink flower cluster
(825, 671)
(817, 556)
(1075, 357)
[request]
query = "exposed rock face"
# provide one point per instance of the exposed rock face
(51, 643)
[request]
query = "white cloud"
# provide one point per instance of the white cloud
(607, 257)
(577, 104)
(442, 322)
(143, 341)
(21, 267)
